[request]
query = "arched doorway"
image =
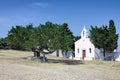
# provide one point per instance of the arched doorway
(83, 54)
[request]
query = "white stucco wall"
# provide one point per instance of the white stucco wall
(84, 44)
(99, 54)
(117, 56)
(68, 54)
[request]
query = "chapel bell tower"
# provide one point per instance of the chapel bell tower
(84, 33)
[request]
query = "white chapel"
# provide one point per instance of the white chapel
(84, 49)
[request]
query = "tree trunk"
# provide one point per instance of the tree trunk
(113, 58)
(36, 54)
(57, 53)
(44, 58)
(104, 54)
(63, 53)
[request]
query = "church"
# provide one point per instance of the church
(84, 49)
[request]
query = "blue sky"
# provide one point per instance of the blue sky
(77, 13)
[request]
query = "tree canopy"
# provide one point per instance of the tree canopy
(48, 36)
(104, 37)
(113, 37)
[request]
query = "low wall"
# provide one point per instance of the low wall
(117, 56)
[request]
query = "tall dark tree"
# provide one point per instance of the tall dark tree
(67, 37)
(105, 37)
(113, 37)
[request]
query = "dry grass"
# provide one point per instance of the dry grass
(14, 65)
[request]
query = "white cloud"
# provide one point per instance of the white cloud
(39, 4)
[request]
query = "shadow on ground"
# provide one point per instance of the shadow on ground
(64, 61)
(68, 62)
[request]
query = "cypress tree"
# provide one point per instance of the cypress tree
(113, 37)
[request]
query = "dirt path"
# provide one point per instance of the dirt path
(14, 67)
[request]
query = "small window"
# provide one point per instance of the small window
(78, 50)
(90, 50)
(83, 33)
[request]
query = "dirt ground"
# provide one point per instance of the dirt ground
(14, 65)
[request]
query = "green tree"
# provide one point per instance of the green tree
(104, 37)
(30, 37)
(99, 37)
(16, 37)
(51, 37)
(3, 43)
(67, 38)
(48, 36)
(113, 37)
(44, 36)
(48, 40)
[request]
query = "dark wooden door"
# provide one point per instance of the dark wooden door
(83, 54)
